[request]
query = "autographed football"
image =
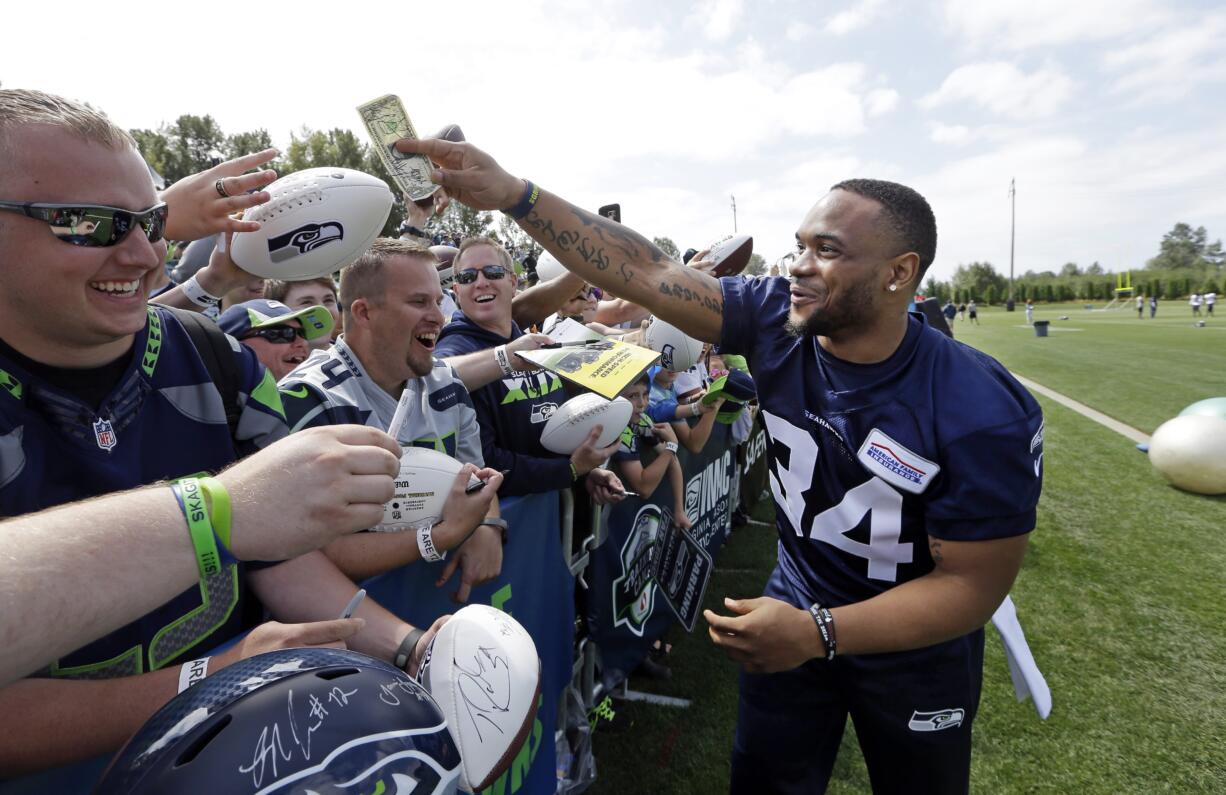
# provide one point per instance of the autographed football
(678, 351)
(731, 256)
(425, 480)
(548, 268)
(569, 426)
(317, 221)
(483, 671)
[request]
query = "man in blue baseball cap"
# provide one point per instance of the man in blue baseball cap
(278, 334)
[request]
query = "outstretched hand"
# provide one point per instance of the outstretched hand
(765, 635)
(469, 175)
(197, 208)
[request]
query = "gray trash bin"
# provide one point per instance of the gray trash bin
(1040, 327)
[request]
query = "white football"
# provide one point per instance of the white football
(678, 351)
(1190, 452)
(483, 670)
(425, 480)
(317, 221)
(548, 268)
(569, 426)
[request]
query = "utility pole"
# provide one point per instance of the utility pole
(734, 215)
(1012, 228)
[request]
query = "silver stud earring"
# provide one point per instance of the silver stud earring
(893, 287)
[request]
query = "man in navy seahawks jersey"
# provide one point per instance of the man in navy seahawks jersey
(103, 392)
(903, 508)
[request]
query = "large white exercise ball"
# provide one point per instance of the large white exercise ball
(1190, 452)
(1212, 407)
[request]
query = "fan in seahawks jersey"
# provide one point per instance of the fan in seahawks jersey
(390, 299)
(904, 503)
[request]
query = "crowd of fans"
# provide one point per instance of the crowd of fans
(116, 385)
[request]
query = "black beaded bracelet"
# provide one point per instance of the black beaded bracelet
(526, 202)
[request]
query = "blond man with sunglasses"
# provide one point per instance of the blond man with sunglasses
(102, 392)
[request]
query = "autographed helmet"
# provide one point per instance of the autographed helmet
(293, 721)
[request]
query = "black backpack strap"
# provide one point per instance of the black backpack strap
(218, 356)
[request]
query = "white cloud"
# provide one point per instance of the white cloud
(718, 19)
(1022, 24)
(949, 133)
(1171, 63)
(880, 101)
(798, 31)
(1004, 89)
(854, 18)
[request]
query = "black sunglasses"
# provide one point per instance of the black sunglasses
(491, 272)
(93, 226)
(278, 335)
(591, 292)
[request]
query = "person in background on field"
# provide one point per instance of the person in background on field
(1140, 307)
(1153, 306)
(1194, 302)
(1030, 312)
(949, 310)
(973, 312)
(1210, 300)
(962, 311)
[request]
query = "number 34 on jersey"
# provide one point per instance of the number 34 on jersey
(875, 497)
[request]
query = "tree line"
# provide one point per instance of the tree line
(1186, 263)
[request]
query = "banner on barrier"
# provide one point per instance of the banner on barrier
(645, 556)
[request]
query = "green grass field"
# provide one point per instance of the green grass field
(1122, 595)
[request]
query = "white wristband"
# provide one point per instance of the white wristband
(192, 672)
(504, 361)
(671, 447)
(197, 294)
(425, 543)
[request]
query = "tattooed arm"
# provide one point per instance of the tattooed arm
(597, 249)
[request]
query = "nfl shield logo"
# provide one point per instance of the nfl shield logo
(104, 434)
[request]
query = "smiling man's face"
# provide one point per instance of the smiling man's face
(486, 302)
(843, 253)
(279, 357)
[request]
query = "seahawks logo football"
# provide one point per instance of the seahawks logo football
(303, 239)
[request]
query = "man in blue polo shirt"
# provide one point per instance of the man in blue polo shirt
(904, 495)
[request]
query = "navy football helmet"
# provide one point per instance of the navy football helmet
(323, 721)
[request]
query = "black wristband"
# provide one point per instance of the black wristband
(500, 523)
(404, 652)
(526, 202)
(825, 627)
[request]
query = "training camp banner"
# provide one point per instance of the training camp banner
(648, 574)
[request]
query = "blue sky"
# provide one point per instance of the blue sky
(1109, 114)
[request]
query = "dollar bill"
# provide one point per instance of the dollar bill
(387, 123)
